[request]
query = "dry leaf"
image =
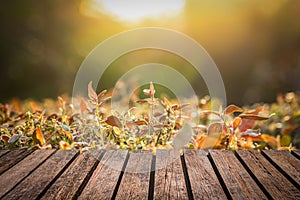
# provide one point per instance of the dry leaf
(253, 117)
(113, 121)
(231, 109)
(39, 135)
(236, 122)
(214, 132)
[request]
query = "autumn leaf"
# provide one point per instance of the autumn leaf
(231, 109)
(236, 122)
(214, 132)
(39, 136)
(91, 92)
(250, 123)
(113, 121)
(253, 117)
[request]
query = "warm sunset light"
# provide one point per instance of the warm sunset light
(136, 10)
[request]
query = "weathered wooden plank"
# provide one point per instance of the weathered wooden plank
(286, 162)
(3, 152)
(18, 172)
(136, 178)
(12, 158)
(66, 186)
(38, 180)
(239, 183)
(296, 153)
(169, 177)
(276, 185)
(105, 177)
(204, 182)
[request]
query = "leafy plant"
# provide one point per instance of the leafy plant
(149, 123)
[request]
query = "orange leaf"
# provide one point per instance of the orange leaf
(236, 122)
(231, 109)
(91, 92)
(253, 117)
(39, 135)
(113, 121)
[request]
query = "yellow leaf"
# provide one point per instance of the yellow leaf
(39, 135)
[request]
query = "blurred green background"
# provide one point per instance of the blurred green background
(255, 44)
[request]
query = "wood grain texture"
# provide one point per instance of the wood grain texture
(204, 182)
(136, 178)
(66, 186)
(105, 177)
(286, 162)
(12, 158)
(36, 182)
(270, 178)
(18, 172)
(169, 177)
(296, 153)
(3, 152)
(237, 180)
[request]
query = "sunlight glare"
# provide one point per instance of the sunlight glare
(137, 10)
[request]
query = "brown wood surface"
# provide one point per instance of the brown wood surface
(14, 175)
(105, 177)
(288, 163)
(3, 152)
(110, 174)
(278, 186)
(136, 178)
(237, 180)
(296, 153)
(66, 186)
(169, 177)
(36, 182)
(204, 182)
(12, 158)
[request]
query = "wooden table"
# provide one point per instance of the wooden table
(110, 174)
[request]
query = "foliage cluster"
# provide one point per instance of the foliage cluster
(148, 124)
